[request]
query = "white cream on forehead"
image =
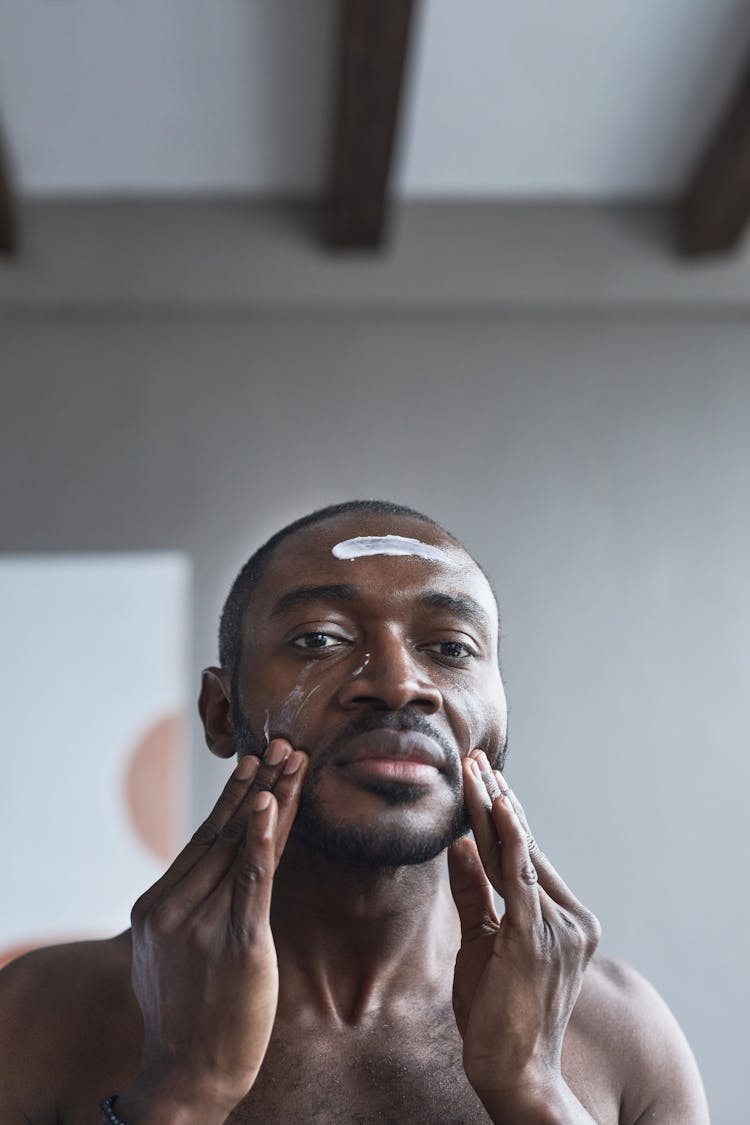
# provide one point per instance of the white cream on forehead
(363, 545)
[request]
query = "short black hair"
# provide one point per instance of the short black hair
(230, 624)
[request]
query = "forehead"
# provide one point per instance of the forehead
(373, 552)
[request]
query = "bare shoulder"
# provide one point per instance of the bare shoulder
(57, 1008)
(656, 1070)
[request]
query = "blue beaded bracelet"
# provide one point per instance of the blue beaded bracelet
(107, 1109)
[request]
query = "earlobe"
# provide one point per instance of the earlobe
(215, 711)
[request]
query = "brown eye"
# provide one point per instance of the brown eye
(317, 641)
(452, 650)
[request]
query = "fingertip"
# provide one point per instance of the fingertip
(295, 763)
(475, 788)
(463, 858)
(262, 800)
(460, 847)
(247, 767)
(263, 822)
(471, 766)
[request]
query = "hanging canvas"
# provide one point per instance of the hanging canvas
(92, 745)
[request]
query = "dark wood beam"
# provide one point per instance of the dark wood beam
(716, 207)
(8, 214)
(374, 41)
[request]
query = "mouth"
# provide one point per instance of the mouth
(401, 757)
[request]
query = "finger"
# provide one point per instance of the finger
(478, 805)
(552, 891)
(231, 797)
(283, 775)
(287, 793)
(203, 863)
(271, 763)
(251, 877)
(471, 890)
(519, 876)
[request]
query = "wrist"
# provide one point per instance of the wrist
(548, 1103)
(170, 1102)
(160, 1111)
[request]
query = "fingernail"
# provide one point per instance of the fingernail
(292, 764)
(474, 767)
(481, 757)
(262, 800)
(246, 767)
(275, 754)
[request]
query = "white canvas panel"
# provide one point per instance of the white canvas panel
(93, 655)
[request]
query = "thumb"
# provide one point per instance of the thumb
(471, 890)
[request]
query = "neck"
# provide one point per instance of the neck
(353, 942)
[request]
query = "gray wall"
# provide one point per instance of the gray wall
(598, 467)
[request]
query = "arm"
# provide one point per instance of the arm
(204, 964)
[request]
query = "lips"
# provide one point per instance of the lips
(393, 746)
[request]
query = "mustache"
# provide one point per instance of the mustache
(407, 719)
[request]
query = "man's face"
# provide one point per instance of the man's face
(384, 669)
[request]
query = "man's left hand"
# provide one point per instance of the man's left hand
(518, 977)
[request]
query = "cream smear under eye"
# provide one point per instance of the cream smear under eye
(363, 545)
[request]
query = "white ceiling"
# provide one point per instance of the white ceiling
(506, 98)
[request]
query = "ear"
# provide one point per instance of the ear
(215, 712)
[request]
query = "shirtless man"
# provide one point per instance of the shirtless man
(327, 947)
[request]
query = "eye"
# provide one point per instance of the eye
(317, 641)
(451, 650)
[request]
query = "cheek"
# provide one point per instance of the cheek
(288, 711)
(481, 717)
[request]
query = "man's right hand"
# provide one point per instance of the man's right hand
(204, 963)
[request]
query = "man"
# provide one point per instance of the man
(327, 948)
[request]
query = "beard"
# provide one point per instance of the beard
(372, 845)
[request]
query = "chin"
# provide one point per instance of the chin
(377, 844)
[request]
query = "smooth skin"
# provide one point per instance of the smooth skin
(267, 980)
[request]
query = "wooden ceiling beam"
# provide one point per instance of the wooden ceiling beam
(374, 42)
(8, 213)
(715, 209)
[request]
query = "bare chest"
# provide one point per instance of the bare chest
(395, 1075)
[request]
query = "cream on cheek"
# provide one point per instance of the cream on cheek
(477, 726)
(467, 719)
(288, 718)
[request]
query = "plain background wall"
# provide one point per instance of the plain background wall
(599, 468)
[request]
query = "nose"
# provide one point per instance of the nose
(390, 678)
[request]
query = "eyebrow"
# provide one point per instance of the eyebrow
(460, 606)
(306, 595)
